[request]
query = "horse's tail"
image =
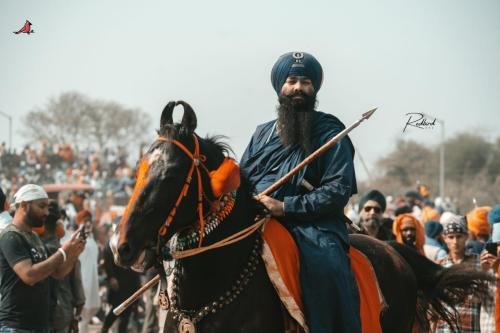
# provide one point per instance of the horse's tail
(441, 289)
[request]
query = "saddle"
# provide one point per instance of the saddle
(281, 258)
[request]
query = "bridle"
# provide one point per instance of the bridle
(197, 161)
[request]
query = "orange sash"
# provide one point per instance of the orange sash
(281, 257)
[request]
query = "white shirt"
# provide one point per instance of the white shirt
(89, 260)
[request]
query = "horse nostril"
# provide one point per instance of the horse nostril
(125, 252)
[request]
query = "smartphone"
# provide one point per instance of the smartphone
(491, 248)
(82, 234)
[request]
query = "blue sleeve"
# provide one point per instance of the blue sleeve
(256, 139)
(13, 248)
(250, 151)
(336, 186)
(247, 153)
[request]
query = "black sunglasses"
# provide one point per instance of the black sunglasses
(367, 209)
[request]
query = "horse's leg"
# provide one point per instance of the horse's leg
(397, 283)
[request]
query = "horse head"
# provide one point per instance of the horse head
(173, 188)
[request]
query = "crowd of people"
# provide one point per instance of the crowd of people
(443, 236)
(105, 170)
(55, 250)
(89, 289)
(95, 285)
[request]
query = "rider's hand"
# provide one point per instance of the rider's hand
(275, 207)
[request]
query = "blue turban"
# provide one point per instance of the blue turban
(494, 220)
(494, 215)
(296, 64)
(375, 196)
(433, 229)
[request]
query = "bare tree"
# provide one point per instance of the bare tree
(59, 121)
(110, 124)
(76, 119)
(472, 169)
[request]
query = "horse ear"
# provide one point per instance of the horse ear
(189, 118)
(166, 115)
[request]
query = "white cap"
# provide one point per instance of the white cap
(447, 217)
(30, 192)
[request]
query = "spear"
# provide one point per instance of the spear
(118, 310)
(317, 153)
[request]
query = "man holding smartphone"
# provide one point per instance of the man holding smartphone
(25, 265)
(455, 234)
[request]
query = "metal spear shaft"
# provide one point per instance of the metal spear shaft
(119, 309)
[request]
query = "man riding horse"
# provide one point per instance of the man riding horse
(311, 204)
(205, 235)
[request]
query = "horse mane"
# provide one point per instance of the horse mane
(218, 141)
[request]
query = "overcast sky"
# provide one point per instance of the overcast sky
(439, 57)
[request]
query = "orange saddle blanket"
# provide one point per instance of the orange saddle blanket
(281, 258)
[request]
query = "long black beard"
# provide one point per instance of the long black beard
(295, 121)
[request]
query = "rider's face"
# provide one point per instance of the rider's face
(296, 87)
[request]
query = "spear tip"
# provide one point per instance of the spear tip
(368, 114)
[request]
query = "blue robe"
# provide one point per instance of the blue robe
(315, 218)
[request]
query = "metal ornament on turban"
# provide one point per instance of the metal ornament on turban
(296, 64)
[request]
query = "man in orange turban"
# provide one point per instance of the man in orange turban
(477, 222)
(409, 231)
(429, 213)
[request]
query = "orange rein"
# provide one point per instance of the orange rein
(197, 161)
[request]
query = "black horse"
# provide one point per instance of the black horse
(227, 289)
